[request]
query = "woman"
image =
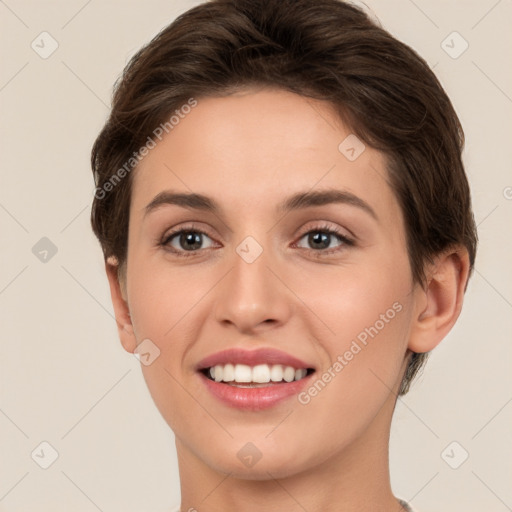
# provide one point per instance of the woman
(287, 230)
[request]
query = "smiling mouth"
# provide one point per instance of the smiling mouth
(261, 375)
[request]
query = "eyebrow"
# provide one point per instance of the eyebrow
(296, 202)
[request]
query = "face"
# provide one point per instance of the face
(280, 301)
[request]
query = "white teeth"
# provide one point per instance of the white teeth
(276, 373)
(228, 375)
(243, 373)
(289, 374)
(260, 374)
(300, 374)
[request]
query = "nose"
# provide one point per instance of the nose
(253, 296)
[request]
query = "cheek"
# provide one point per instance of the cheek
(162, 298)
(370, 315)
(352, 299)
(365, 320)
(167, 306)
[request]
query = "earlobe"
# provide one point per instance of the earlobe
(121, 309)
(439, 304)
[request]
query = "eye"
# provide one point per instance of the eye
(323, 238)
(187, 240)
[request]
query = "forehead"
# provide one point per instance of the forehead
(256, 146)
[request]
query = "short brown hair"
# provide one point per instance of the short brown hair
(323, 49)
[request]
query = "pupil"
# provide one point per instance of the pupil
(321, 239)
(191, 240)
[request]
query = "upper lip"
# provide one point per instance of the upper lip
(252, 358)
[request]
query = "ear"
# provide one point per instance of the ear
(121, 309)
(438, 305)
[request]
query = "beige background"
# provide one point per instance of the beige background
(64, 377)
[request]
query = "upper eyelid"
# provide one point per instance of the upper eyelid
(187, 227)
(192, 227)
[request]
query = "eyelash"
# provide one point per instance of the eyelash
(346, 242)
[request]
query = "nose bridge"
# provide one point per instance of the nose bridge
(251, 294)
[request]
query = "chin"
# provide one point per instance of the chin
(262, 470)
(256, 460)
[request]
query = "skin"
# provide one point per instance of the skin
(249, 152)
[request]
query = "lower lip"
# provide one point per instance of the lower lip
(254, 399)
